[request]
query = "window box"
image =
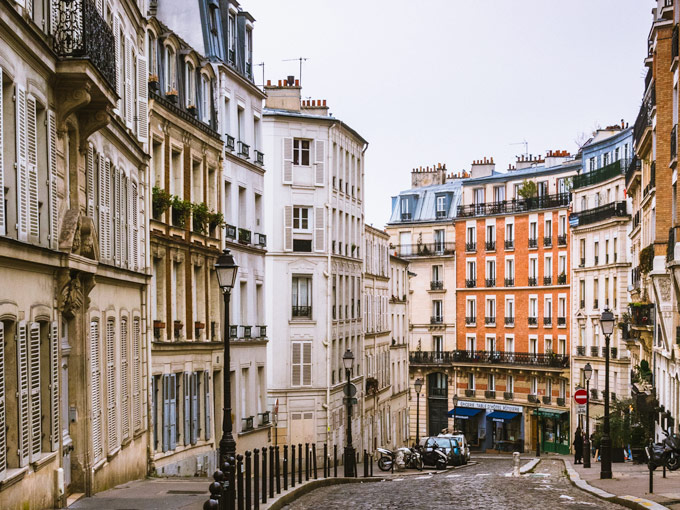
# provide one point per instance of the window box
(507, 395)
(510, 244)
(594, 351)
(230, 231)
(470, 283)
(469, 393)
(263, 331)
(233, 331)
(247, 331)
(264, 418)
(302, 312)
(243, 150)
(532, 398)
(259, 158)
(490, 394)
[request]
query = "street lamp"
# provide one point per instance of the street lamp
(455, 405)
(587, 372)
(226, 269)
(418, 385)
(607, 325)
(347, 361)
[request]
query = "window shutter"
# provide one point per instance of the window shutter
(52, 171)
(3, 408)
(166, 412)
(142, 100)
(108, 182)
(102, 207)
(22, 173)
(288, 228)
(119, 78)
(186, 409)
(319, 160)
(136, 376)
(287, 161)
(296, 364)
(100, 7)
(3, 230)
(307, 364)
(319, 229)
(116, 215)
(124, 219)
(134, 227)
(95, 382)
(23, 392)
(111, 386)
(194, 407)
(208, 413)
(54, 386)
(32, 167)
(90, 183)
(172, 386)
(128, 84)
(124, 381)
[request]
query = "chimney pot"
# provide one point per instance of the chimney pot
(324, 102)
(279, 83)
(269, 83)
(297, 83)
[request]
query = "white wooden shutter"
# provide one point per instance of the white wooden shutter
(287, 161)
(32, 167)
(142, 100)
(96, 389)
(194, 407)
(124, 381)
(208, 412)
(111, 425)
(186, 408)
(54, 386)
(52, 176)
(3, 220)
(124, 218)
(319, 229)
(319, 162)
(134, 227)
(3, 408)
(307, 363)
(288, 228)
(128, 83)
(136, 376)
(102, 178)
(108, 183)
(119, 78)
(23, 393)
(100, 6)
(22, 172)
(116, 215)
(90, 183)
(34, 387)
(296, 364)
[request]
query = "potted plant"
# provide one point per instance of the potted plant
(159, 324)
(154, 84)
(161, 201)
(200, 217)
(192, 109)
(172, 95)
(181, 210)
(215, 219)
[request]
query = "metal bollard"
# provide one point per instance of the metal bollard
(299, 462)
(354, 467)
(292, 465)
(239, 482)
(365, 464)
(278, 471)
(306, 461)
(271, 471)
(285, 467)
(215, 489)
(651, 478)
(515, 464)
(264, 474)
(249, 494)
(256, 478)
(371, 464)
(231, 482)
(664, 470)
(316, 473)
(335, 460)
(325, 460)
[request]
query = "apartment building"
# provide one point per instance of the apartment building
(73, 196)
(314, 266)
(385, 349)
(600, 265)
(422, 232)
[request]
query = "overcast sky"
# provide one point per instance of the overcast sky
(451, 81)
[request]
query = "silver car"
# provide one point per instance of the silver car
(462, 443)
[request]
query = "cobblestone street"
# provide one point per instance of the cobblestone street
(485, 485)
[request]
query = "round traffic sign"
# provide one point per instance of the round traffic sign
(581, 396)
(350, 390)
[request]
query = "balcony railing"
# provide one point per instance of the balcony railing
(509, 321)
(514, 206)
(489, 357)
(533, 281)
(230, 231)
(644, 118)
(230, 142)
(532, 398)
(509, 282)
(262, 331)
(533, 321)
(470, 283)
(490, 246)
(547, 280)
(436, 285)
(470, 321)
(302, 311)
(244, 236)
(533, 243)
(80, 32)
(561, 321)
(561, 401)
(490, 321)
(436, 319)
(641, 314)
(471, 246)
(547, 399)
(634, 167)
(507, 395)
(562, 240)
(580, 350)
(261, 240)
(613, 169)
(561, 279)
(614, 209)
(259, 158)
(243, 149)
(490, 394)
(674, 142)
(425, 249)
(509, 244)
(547, 321)
(490, 282)
(594, 351)
(547, 241)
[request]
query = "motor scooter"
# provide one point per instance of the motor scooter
(412, 458)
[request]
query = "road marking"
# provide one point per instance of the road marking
(564, 496)
(397, 479)
(423, 477)
(482, 474)
(453, 476)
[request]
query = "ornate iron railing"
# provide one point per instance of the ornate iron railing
(490, 246)
(601, 174)
(425, 249)
(547, 241)
(514, 206)
(509, 282)
(81, 32)
(635, 166)
(436, 285)
(509, 244)
(615, 209)
(674, 142)
(644, 118)
(489, 357)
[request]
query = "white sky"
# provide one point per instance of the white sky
(451, 81)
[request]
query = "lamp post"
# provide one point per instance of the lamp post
(607, 325)
(587, 372)
(226, 269)
(418, 385)
(347, 360)
(455, 405)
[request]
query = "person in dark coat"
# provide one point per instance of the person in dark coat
(578, 446)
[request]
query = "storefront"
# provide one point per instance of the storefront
(488, 426)
(554, 430)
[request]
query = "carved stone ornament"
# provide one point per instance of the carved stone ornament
(78, 235)
(71, 297)
(665, 288)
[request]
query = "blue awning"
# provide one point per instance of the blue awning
(464, 412)
(502, 416)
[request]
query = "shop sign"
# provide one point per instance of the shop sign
(489, 406)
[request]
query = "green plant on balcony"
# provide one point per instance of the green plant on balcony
(528, 189)
(181, 211)
(161, 201)
(215, 219)
(647, 259)
(201, 213)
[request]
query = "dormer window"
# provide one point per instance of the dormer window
(232, 39)
(213, 13)
(170, 69)
(441, 206)
(205, 98)
(405, 210)
(190, 81)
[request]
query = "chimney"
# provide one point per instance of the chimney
(428, 176)
(482, 167)
(283, 96)
(556, 157)
(315, 107)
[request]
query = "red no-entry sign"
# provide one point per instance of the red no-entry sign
(581, 396)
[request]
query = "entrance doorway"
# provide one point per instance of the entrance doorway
(437, 405)
(67, 442)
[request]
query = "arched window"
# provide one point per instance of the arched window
(190, 81)
(205, 98)
(170, 68)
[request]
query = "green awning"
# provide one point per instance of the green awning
(549, 413)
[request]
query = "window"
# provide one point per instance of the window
(562, 226)
(470, 235)
(490, 310)
(437, 273)
(509, 272)
(471, 311)
(438, 345)
(498, 193)
(534, 385)
(547, 311)
(111, 393)
(170, 65)
(490, 234)
(509, 344)
(596, 293)
(441, 206)
(471, 271)
(437, 310)
(439, 240)
(509, 309)
(547, 267)
(533, 307)
(491, 273)
(190, 81)
(301, 152)
(301, 373)
(509, 232)
(510, 384)
(302, 296)
(582, 252)
(301, 219)
(533, 231)
(547, 230)
(205, 98)
(491, 381)
(471, 381)
(596, 252)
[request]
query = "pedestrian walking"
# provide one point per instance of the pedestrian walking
(578, 446)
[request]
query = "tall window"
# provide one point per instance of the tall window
(470, 235)
(491, 309)
(498, 193)
(437, 273)
(190, 80)
(534, 385)
(471, 381)
(439, 240)
(509, 384)
(301, 150)
(471, 270)
(533, 230)
(509, 270)
(170, 68)
(437, 310)
(471, 310)
(533, 307)
(510, 232)
(441, 206)
(302, 296)
(509, 309)
(301, 364)
(301, 218)
(205, 98)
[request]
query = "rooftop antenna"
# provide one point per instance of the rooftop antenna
(262, 65)
(526, 146)
(301, 59)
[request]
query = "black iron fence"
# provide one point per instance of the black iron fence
(674, 142)
(514, 206)
(246, 482)
(601, 174)
(489, 357)
(425, 249)
(644, 118)
(635, 166)
(614, 209)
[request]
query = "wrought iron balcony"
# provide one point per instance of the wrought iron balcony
(674, 142)
(532, 398)
(470, 283)
(604, 212)
(644, 118)
(561, 401)
(230, 231)
(81, 33)
(634, 168)
(490, 393)
(489, 357)
(594, 351)
(580, 350)
(547, 241)
(609, 171)
(641, 315)
(470, 321)
(547, 321)
(533, 321)
(244, 236)
(261, 240)
(259, 158)
(509, 282)
(302, 311)
(490, 282)
(509, 244)
(490, 321)
(230, 142)
(562, 240)
(469, 392)
(547, 399)
(533, 281)
(490, 245)
(561, 279)
(547, 280)
(507, 395)
(533, 243)
(243, 149)
(471, 246)
(514, 206)
(509, 321)
(437, 249)
(561, 321)
(436, 319)
(436, 285)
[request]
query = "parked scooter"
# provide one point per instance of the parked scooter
(672, 441)
(658, 454)
(434, 456)
(412, 458)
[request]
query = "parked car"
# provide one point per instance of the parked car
(448, 444)
(462, 443)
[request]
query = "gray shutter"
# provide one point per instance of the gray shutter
(319, 162)
(3, 220)
(124, 381)
(319, 229)
(52, 171)
(296, 364)
(208, 413)
(142, 100)
(22, 172)
(307, 364)
(194, 407)
(128, 84)
(116, 215)
(166, 412)
(134, 227)
(186, 410)
(96, 390)
(3, 408)
(288, 228)
(172, 386)
(32, 168)
(54, 386)
(119, 78)
(103, 180)
(89, 177)
(23, 392)
(136, 376)
(111, 425)
(287, 160)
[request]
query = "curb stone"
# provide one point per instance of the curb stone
(628, 501)
(529, 466)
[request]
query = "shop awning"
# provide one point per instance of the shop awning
(502, 416)
(464, 412)
(549, 413)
